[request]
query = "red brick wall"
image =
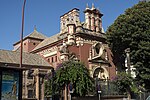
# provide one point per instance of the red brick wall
(32, 44)
(112, 72)
(28, 45)
(82, 52)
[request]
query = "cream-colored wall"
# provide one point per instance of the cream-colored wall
(35, 84)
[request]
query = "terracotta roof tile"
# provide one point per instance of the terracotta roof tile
(37, 35)
(49, 40)
(13, 57)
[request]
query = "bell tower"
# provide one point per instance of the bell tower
(93, 19)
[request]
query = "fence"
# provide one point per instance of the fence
(143, 96)
(107, 87)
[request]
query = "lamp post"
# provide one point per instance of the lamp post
(21, 35)
(21, 48)
(99, 92)
(70, 89)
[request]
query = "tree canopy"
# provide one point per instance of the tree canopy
(75, 73)
(71, 72)
(132, 30)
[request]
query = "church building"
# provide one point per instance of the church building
(82, 41)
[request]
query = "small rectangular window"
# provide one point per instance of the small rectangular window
(48, 60)
(56, 58)
(34, 43)
(52, 59)
(30, 72)
(30, 93)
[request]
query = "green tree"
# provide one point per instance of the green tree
(70, 72)
(125, 83)
(132, 30)
(48, 88)
(75, 73)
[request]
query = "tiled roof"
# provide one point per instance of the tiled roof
(37, 35)
(13, 57)
(48, 41)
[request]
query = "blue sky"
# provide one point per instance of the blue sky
(45, 14)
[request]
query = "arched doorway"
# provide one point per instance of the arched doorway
(101, 76)
(100, 73)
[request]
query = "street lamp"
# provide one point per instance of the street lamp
(70, 89)
(21, 35)
(99, 92)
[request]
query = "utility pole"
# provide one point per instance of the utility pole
(21, 35)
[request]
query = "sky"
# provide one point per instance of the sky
(45, 15)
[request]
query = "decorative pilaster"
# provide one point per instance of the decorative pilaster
(37, 93)
(71, 32)
(93, 23)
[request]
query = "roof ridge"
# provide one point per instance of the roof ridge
(47, 41)
(36, 32)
